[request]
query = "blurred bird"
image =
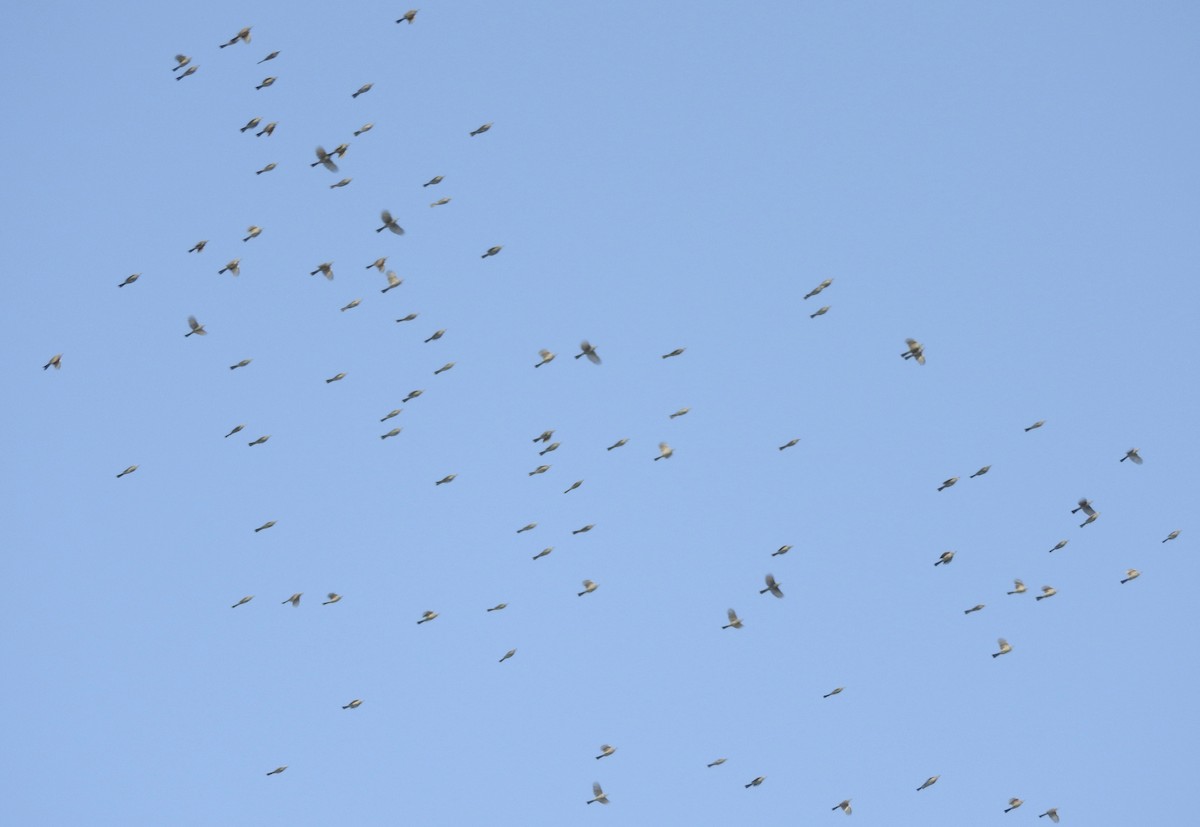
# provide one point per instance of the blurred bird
(492, 251)
(948, 483)
(267, 168)
(498, 607)
(574, 485)
(1172, 535)
(981, 471)
(340, 150)
(1013, 803)
(446, 479)
(599, 794)
(250, 124)
(440, 202)
(665, 451)
(1085, 505)
(818, 288)
(437, 334)
(362, 90)
(617, 444)
(772, 586)
(392, 413)
(481, 130)
(354, 704)
(333, 598)
(586, 349)
(508, 655)
(325, 268)
(1132, 454)
(407, 318)
(916, 350)
(191, 70)
(199, 248)
(245, 599)
(1131, 574)
(128, 470)
(544, 552)
(546, 355)
(394, 281)
(443, 368)
(253, 231)
(585, 529)
(679, 413)
(837, 691)
(277, 770)
(196, 327)
(427, 616)
(947, 557)
(378, 264)
(605, 751)
(756, 781)
(181, 61)
(232, 267)
(437, 179)
(367, 127)
(718, 762)
(1053, 813)
(55, 362)
(735, 622)
(526, 527)
(820, 312)
(259, 441)
(408, 15)
(553, 446)
(324, 159)
(335, 378)
(268, 130)
(791, 443)
(129, 279)
(353, 304)
(266, 82)
(541, 469)
(1005, 648)
(411, 396)
(544, 436)
(589, 586)
(1035, 425)
(781, 551)
(978, 607)
(236, 428)
(676, 352)
(389, 223)
(1058, 545)
(271, 56)
(294, 599)
(391, 433)
(1092, 517)
(844, 807)
(929, 782)
(265, 526)
(243, 35)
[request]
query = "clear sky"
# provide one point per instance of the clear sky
(1013, 184)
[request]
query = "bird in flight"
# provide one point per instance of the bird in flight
(389, 223)
(129, 279)
(446, 479)
(408, 15)
(676, 352)
(236, 428)
(270, 167)
(544, 436)
(266, 82)
(1085, 505)
(546, 355)
(324, 159)
(1172, 536)
(335, 378)
(599, 794)
(393, 280)
(354, 704)
(717, 763)
(277, 770)
(844, 807)
(818, 288)
(367, 127)
(541, 469)
(231, 267)
(527, 527)
(492, 251)
(128, 470)
(411, 395)
(1131, 574)
(334, 597)
(586, 349)
(271, 56)
(585, 529)
(245, 599)
(243, 35)
(199, 247)
(782, 550)
(181, 61)
(196, 327)
(362, 90)
(435, 180)
(481, 130)
(498, 607)
(391, 414)
(946, 558)
(981, 471)
(1053, 813)
(679, 413)
(589, 586)
(617, 444)
(756, 782)
(259, 441)
(916, 350)
(325, 268)
(821, 312)
(1058, 545)
(772, 586)
(1013, 803)
(837, 691)
(1005, 648)
(929, 782)
(553, 446)
(55, 362)
(791, 443)
(253, 231)
(426, 617)
(948, 483)
(1035, 425)
(735, 622)
(440, 202)
(353, 304)
(265, 526)
(437, 334)
(294, 599)
(445, 368)
(1132, 454)
(665, 451)
(978, 607)
(605, 751)
(543, 552)
(508, 655)
(391, 433)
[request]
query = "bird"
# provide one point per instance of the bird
(265, 526)
(391, 433)
(191, 70)
(679, 413)
(129, 279)
(981, 471)
(946, 558)
(617, 444)
(492, 251)
(245, 599)
(735, 622)
(527, 527)
(394, 281)
(717, 763)
(340, 150)
(378, 264)
(573, 486)
(389, 223)
(334, 597)
(498, 607)
(181, 61)
(55, 362)
(544, 436)
(1172, 536)
(250, 124)
(1085, 505)
(1058, 545)
(196, 327)
(266, 82)
(1053, 813)
(1005, 648)
(844, 807)
(586, 349)
(948, 483)
(437, 334)
(408, 15)
(665, 451)
(916, 350)
(231, 267)
(128, 470)
(772, 586)
(324, 159)
(756, 782)
(791, 443)
(1131, 574)
(553, 446)
(1132, 454)
(543, 552)
(481, 130)
(267, 168)
(541, 469)
(440, 202)
(1013, 803)
(443, 368)
(837, 691)
(676, 352)
(271, 56)
(1093, 515)
(818, 288)
(362, 90)
(437, 179)
(259, 441)
(1035, 425)
(243, 35)
(589, 586)
(294, 599)
(353, 304)
(446, 479)
(427, 616)
(199, 246)
(599, 794)
(236, 428)
(929, 782)
(325, 268)
(820, 312)
(978, 607)
(267, 130)
(392, 413)
(344, 182)
(585, 529)
(779, 552)
(335, 378)
(277, 770)
(605, 751)
(354, 704)
(253, 231)
(367, 127)
(412, 395)
(508, 655)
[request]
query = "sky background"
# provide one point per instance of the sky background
(1015, 184)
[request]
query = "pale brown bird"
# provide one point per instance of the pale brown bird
(599, 794)
(553, 446)
(946, 558)
(191, 70)
(446, 479)
(844, 807)
(245, 599)
(589, 586)
(271, 56)
(181, 61)
(443, 368)
(665, 451)
(585, 529)
(929, 782)
(343, 183)
(1132, 454)
(268, 130)
(277, 770)
(340, 150)
(717, 763)
(362, 90)
(243, 35)
(55, 362)
(1035, 425)
(129, 279)
(199, 247)
(772, 586)
(437, 179)
(250, 124)
(679, 413)
(1058, 545)
(196, 327)
(605, 751)
(338, 377)
(392, 413)
(353, 304)
(267, 168)
(378, 264)
(128, 470)
(837, 691)
(1172, 535)
(573, 486)
(427, 616)
(408, 15)
(236, 428)
(544, 552)
(492, 251)
(393, 281)
(324, 159)
(389, 223)
(407, 318)
(325, 268)
(791, 443)
(1131, 574)
(526, 527)
(440, 202)
(544, 436)
(981, 471)
(437, 334)
(294, 599)
(617, 444)
(411, 396)
(232, 267)
(1053, 813)
(735, 622)
(1013, 803)
(259, 441)
(367, 127)
(266, 82)
(948, 483)
(782, 550)
(391, 433)
(820, 312)
(253, 231)
(541, 469)
(1005, 648)
(508, 655)
(334, 597)
(756, 782)
(586, 349)
(354, 704)
(916, 350)
(978, 607)
(265, 526)
(498, 607)
(481, 129)
(676, 352)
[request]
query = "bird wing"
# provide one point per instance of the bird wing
(596, 789)
(732, 615)
(192, 323)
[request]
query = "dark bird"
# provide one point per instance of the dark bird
(265, 526)
(837, 691)
(191, 70)
(392, 413)
(437, 334)
(946, 558)
(266, 82)
(437, 179)
(717, 763)
(617, 444)
(948, 483)
(544, 552)
(782, 550)
(325, 268)
(407, 318)
(391, 433)
(1035, 425)
(411, 396)
(541, 469)
(1172, 535)
(250, 124)
(553, 446)
(481, 129)
(526, 527)
(259, 441)
(929, 782)
(277, 770)
(232, 267)
(508, 655)
(427, 616)
(756, 782)
(978, 607)
(362, 90)
(199, 248)
(324, 159)
(344, 182)
(498, 607)
(585, 529)
(129, 279)
(1058, 545)
(544, 436)
(820, 312)
(574, 485)
(492, 251)
(236, 428)
(354, 704)
(772, 586)
(367, 127)
(245, 599)
(338, 377)
(241, 364)
(981, 471)
(789, 444)
(446, 479)
(916, 350)
(443, 368)
(676, 352)
(271, 56)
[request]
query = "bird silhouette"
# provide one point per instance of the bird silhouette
(199, 247)
(1131, 574)
(546, 355)
(191, 70)
(544, 552)
(717, 763)
(259, 441)
(324, 159)
(446, 479)
(267, 130)
(527, 527)
(1172, 536)
(367, 127)
(335, 378)
(929, 782)
(393, 281)
(820, 312)
(978, 607)
(354, 704)
(243, 35)
(250, 124)
(544, 436)
(443, 368)
(271, 56)
(946, 558)
(492, 251)
(605, 751)
(55, 362)
(844, 807)
(232, 267)
(265, 526)
(782, 550)
(1058, 545)
(586, 349)
(772, 586)
(756, 782)
(362, 90)
(127, 471)
(253, 231)
(1035, 425)
(411, 396)
(435, 180)
(294, 600)
(325, 268)
(440, 202)
(244, 600)
(981, 471)
(617, 444)
(266, 82)
(948, 483)
(498, 607)
(267, 168)
(408, 15)
(353, 304)
(437, 334)
(789, 444)
(334, 597)
(180, 61)
(837, 691)
(392, 413)
(541, 469)
(277, 770)
(1005, 648)
(916, 351)
(391, 433)
(676, 352)
(1053, 813)
(818, 288)
(481, 130)
(236, 428)
(553, 446)
(427, 616)
(508, 655)
(585, 529)
(573, 486)
(1013, 803)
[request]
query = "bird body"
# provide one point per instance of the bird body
(325, 159)
(1047, 591)
(585, 529)
(440, 202)
(232, 267)
(55, 362)
(1131, 574)
(717, 763)
(756, 781)
(244, 600)
(191, 70)
(277, 770)
(294, 599)
(844, 807)
(553, 446)
(837, 691)
(128, 470)
(820, 312)
(679, 413)
(259, 441)
(1132, 454)
(393, 413)
(250, 124)
(1005, 648)
(389, 223)
(586, 349)
(271, 56)
(508, 655)
(735, 622)
(236, 428)
(948, 483)
(446, 479)
(362, 90)
(393, 281)
(589, 586)
(976, 608)
(916, 351)
(543, 552)
(491, 251)
(946, 558)
(334, 597)
(782, 550)
(267, 130)
(676, 352)
(1172, 536)
(818, 288)
(408, 15)
(981, 471)
(437, 179)
(605, 751)
(929, 782)
(617, 444)
(353, 304)
(527, 527)
(244, 36)
(325, 268)
(443, 368)
(789, 444)
(267, 168)
(481, 130)
(772, 586)
(573, 486)
(544, 436)
(367, 127)
(412, 395)
(437, 334)
(498, 607)
(265, 526)
(335, 378)
(1058, 545)
(253, 231)
(546, 355)
(266, 82)
(1053, 813)
(1013, 803)
(599, 795)
(541, 469)
(354, 704)
(199, 246)
(1035, 425)
(391, 433)
(426, 617)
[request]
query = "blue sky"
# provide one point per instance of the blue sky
(1013, 184)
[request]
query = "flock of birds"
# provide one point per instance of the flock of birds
(915, 351)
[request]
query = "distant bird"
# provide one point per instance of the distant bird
(325, 268)
(437, 334)
(367, 127)
(981, 471)
(191, 70)
(599, 794)
(541, 469)
(129, 279)
(553, 446)
(408, 15)
(756, 782)
(236, 428)
(443, 368)
(243, 35)
(378, 264)
(391, 433)
(389, 223)
(481, 130)
(665, 451)
(605, 751)
(837, 691)
(344, 182)
(266, 82)
(844, 807)
(268, 130)
(362, 90)
(446, 479)
(338, 377)
(277, 770)
(324, 159)
(392, 413)
(948, 483)
(412, 395)
(245, 599)
(617, 444)
(820, 312)
(679, 413)
(978, 607)
(718, 762)
(294, 600)
(586, 349)
(55, 362)
(589, 586)
(440, 202)
(916, 350)
(544, 436)
(334, 597)
(393, 280)
(265, 526)
(498, 607)
(250, 124)
(1172, 535)
(1053, 813)
(253, 231)
(267, 168)
(492, 251)
(527, 527)
(407, 318)
(340, 150)
(199, 247)
(929, 782)
(353, 304)
(128, 470)
(1058, 545)
(354, 704)
(232, 267)
(772, 586)
(427, 616)
(437, 179)
(791, 443)
(676, 352)
(1035, 425)
(1005, 648)
(782, 550)
(947, 557)
(271, 56)
(573, 486)
(543, 553)
(508, 655)
(1131, 574)
(1013, 803)
(585, 529)
(735, 622)
(1086, 507)
(181, 61)
(818, 288)
(1132, 454)
(259, 441)
(196, 327)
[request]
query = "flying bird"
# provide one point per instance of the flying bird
(1172, 536)
(128, 470)
(236, 428)
(791, 443)
(605, 751)
(948, 483)
(544, 552)
(277, 770)
(541, 469)
(527, 527)
(243, 35)
(335, 378)
(599, 794)
(978, 607)
(181, 61)
(1053, 813)
(250, 124)
(586, 349)
(324, 159)
(199, 246)
(437, 179)
(916, 350)
(1013, 803)
(253, 231)
(367, 127)
(585, 529)
(676, 352)
(232, 267)
(55, 362)
(772, 586)
(340, 150)
(408, 15)
(129, 279)
(679, 413)
(427, 616)
(929, 782)
(294, 599)
(325, 268)
(756, 782)
(196, 327)
(782, 550)
(392, 413)
(573, 486)
(389, 223)
(492, 251)
(265, 526)
(553, 446)
(820, 312)
(411, 395)
(589, 586)
(844, 807)
(353, 304)
(498, 607)
(191, 70)
(1132, 454)
(334, 597)
(1005, 648)
(245, 599)
(362, 90)
(437, 334)
(267, 130)
(544, 436)
(718, 762)
(445, 368)
(735, 622)
(818, 288)
(617, 444)
(391, 433)
(446, 479)
(266, 82)
(267, 168)
(1131, 574)
(1035, 425)
(481, 130)
(354, 704)
(440, 202)
(665, 451)
(259, 441)
(378, 264)
(508, 655)
(946, 558)
(394, 281)
(837, 691)
(271, 56)
(981, 471)
(546, 355)
(1058, 545)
